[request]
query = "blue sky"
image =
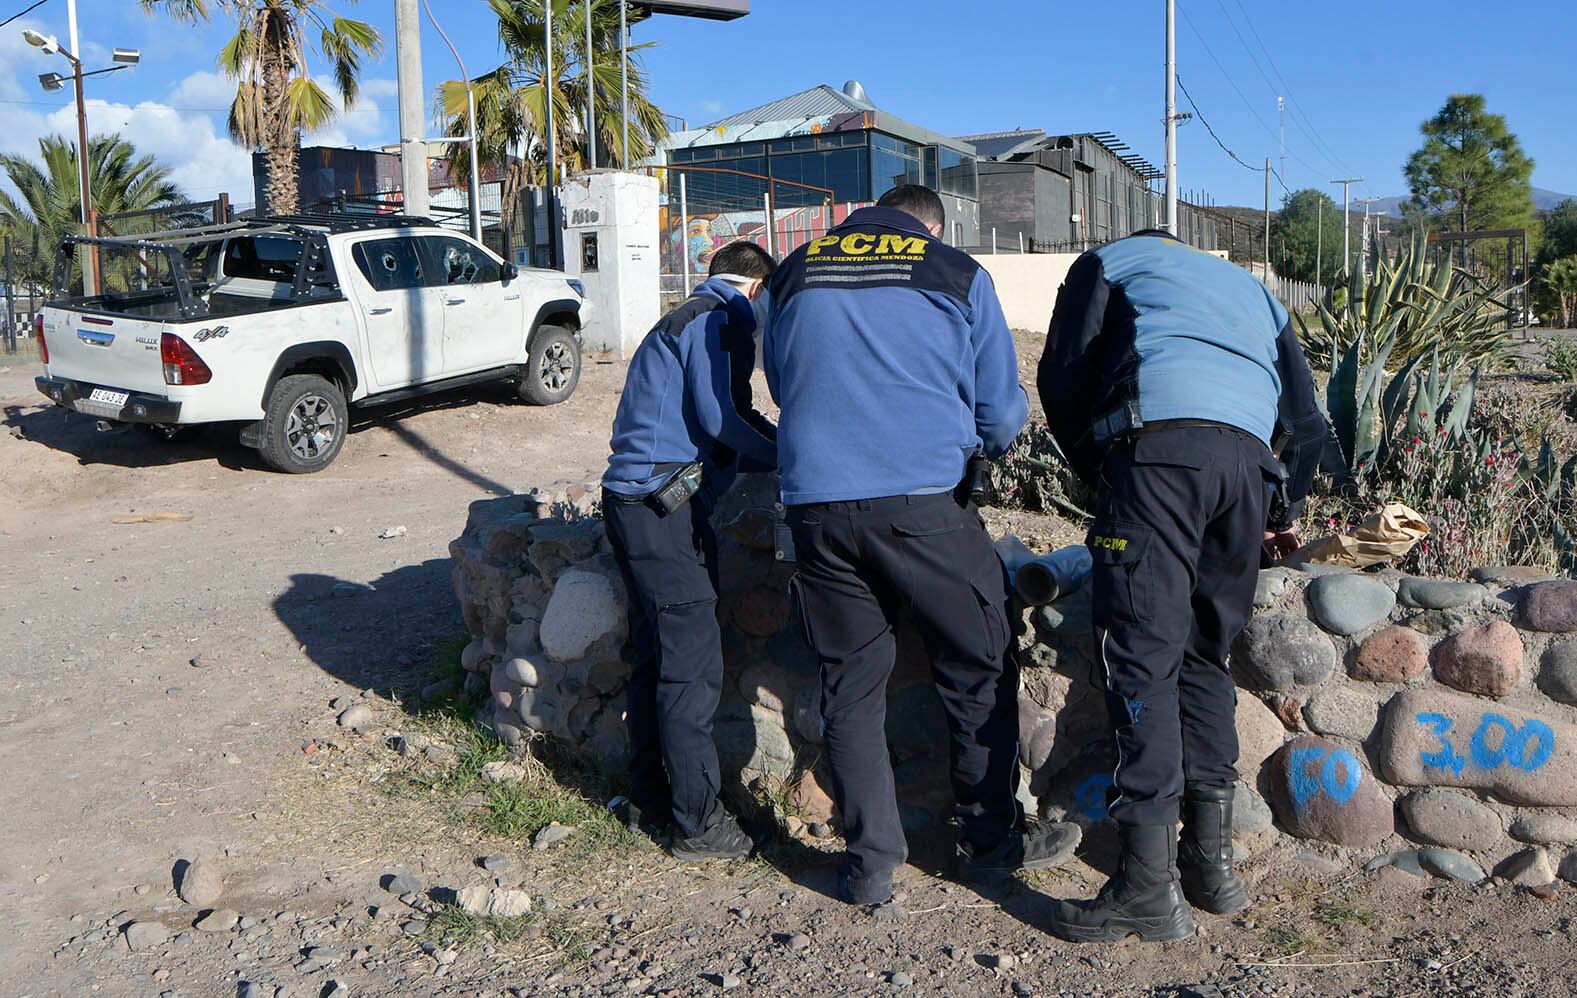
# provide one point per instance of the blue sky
(1360, 78)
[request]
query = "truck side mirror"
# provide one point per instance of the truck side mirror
(508, 272)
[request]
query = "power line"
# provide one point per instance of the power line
(1239, 90)
(23, 13)
(1235, 158)
(1300, 118)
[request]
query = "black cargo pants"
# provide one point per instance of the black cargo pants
(670, 569)
(1176, 541)
(862, 566)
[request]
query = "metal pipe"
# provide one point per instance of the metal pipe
(684, 232)
(624, 81)
(771, 233)
(474, 183)
(1171, 116)
(549, 90)
(591, 98)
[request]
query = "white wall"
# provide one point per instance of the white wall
(621, 208)
(1027, 284)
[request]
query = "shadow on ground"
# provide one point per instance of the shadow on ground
(128, 446)
(379, 636)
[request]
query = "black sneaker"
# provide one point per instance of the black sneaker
(876, 889)
(723, 839)
(638, 821)
(1034, 845)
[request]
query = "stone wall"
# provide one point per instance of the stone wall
(1421, 723)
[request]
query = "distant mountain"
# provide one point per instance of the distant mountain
(1543, 200)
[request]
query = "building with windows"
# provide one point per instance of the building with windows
(821, 148)
(1070, 192)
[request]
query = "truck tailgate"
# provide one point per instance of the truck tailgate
(117, 353)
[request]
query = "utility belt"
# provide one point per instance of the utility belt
(1124, 424)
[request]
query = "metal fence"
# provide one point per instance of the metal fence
(701, 209)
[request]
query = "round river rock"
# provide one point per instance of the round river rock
(1391, 655)
(1485, 660)
(1348, 603)
(1322, 790)
(1280, 652)
(1453, 820)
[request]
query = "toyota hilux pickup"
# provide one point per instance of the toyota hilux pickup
(282, 325)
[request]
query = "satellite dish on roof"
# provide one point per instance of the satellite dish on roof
(855, 91)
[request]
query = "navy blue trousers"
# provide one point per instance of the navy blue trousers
(670, 569)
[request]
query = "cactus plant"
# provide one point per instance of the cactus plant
(1419, 306)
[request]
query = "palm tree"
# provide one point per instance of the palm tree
(276, 98)
(47, 207)
(511, 106)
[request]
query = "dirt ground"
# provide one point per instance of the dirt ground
(168, 695)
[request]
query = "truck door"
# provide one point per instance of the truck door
(402, 315)
(483, 322)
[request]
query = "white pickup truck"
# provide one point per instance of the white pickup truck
(281, 324)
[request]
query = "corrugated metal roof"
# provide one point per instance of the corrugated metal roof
(817, 102)
(994, 144)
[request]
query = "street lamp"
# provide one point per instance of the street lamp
(92, 277)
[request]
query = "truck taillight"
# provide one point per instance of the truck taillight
(182, 366)
(38, 334)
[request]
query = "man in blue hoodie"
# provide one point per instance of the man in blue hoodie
(685, 425)
(889, 355)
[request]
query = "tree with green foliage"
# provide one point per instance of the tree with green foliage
(1296, 236)
(1558, 235)
(1560, 277)
(276, 97)
(511, 100)
(47, 208)
(1471, 172)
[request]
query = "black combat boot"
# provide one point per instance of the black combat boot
(1204, 855)
(1142, 900)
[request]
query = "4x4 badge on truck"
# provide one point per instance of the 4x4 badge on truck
(203, 335)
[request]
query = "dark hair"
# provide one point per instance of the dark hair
(921, 202)
(743, 259)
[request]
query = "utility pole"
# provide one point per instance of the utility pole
(1281, 112)
(1267, 219)
(1171, 116)
(1319, 239)
(591, 100)
(413, 101)
(1347, 221)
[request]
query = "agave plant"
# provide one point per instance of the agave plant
(1369, 413)
(1417, 307)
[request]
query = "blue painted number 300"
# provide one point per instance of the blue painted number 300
(1526, 748)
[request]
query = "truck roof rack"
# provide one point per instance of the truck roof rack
(338, 222)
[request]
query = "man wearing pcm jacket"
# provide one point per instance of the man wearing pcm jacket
(888, 354)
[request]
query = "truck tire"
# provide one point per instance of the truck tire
(552, 369)
(304, 424)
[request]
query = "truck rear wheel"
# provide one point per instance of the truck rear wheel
(304, 424)
(553, 368)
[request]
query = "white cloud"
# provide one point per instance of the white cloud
(204, 161)
(206, 90)
(380, 89)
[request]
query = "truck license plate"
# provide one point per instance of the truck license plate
(107, 397)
